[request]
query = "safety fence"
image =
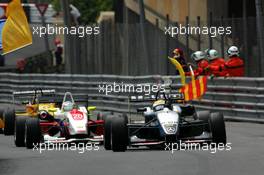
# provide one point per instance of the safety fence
(237, 98)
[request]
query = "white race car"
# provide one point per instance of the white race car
(69, 123)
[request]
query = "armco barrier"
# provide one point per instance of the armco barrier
(237, 98)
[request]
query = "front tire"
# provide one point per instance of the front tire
(119, 134)
(19, 135)
(33, 132)
(217, 125)
(9, 121)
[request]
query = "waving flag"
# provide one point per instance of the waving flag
(179, 68)
(15, 32)
(195, 89)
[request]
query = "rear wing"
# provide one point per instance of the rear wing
(150, 98)
(35, 92)
(25, 97)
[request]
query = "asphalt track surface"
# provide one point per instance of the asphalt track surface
(245, 157)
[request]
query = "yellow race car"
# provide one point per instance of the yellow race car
(30, 108)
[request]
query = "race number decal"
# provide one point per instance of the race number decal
(76, 115)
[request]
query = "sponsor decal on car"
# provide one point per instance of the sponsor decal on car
(76, 115)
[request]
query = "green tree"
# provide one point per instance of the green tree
(56, 5)
(90, 9)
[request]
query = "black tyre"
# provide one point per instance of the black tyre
(119, 134)
(107, 132)
(32, 132)
(126, 121)
(103, 115)
(125, 118)
(9, 121)
(202, 115)
(19, 135)
(1, 113)
(1, 118)
(217, 125)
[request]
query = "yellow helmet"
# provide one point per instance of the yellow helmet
(158, 105)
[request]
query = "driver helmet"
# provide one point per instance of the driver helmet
(158, 105)
(67, 106)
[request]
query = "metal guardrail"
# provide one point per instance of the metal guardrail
(237, 98)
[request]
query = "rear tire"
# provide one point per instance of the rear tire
(19, 135)
(1, 120)
(103, 115)
(9, 121)
(1, 113)
(202, 115)
(125, 118)
(32, 132)
(119, 134)
(107, 132)
(217, 125)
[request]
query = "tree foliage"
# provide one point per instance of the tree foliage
(90, 9)
(56, 5)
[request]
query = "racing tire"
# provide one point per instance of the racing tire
(119, 134)
(1, 113)
(126, 121)
(32, 132)
(1, 118)
(202, 115)
(9, 121)
(103, 115)
(19, 135)
(107, 132)
(125, 118)
(217, 125)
